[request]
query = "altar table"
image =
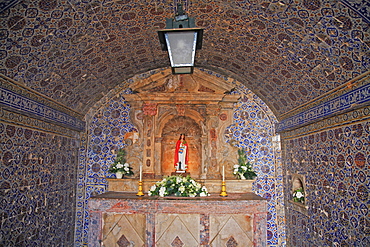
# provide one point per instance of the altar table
(124, 219)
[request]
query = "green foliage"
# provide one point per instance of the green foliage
(178, 186)
(243, 170)
(298, 195)
(120, 164)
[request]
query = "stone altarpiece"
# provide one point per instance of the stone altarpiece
(164, 105)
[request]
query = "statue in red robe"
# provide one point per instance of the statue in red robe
(181, 154)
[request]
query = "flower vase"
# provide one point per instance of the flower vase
(119, 175)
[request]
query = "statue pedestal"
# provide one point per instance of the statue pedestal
(180, 173)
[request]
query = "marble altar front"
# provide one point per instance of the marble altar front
(124, 219)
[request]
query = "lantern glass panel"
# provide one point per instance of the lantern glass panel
(181, 47)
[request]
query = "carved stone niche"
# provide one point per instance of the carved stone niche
(198, 105)
(170, 134)
(298, 181)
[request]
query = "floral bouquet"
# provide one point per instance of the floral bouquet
(243, 170)
(178, 186)
(120, 164)
(298, 195)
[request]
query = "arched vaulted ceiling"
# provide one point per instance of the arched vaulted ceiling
(287, 52)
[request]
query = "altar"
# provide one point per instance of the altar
(180, 128)
(124, 219)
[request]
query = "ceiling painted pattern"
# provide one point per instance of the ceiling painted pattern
(287, 52)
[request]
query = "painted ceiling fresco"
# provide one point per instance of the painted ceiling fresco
(287, 52)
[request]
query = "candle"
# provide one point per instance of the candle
(141, 172)
(223, 173)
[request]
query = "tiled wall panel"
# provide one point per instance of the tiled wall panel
(335, 164)
(37, 187)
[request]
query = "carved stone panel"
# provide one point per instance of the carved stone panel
(124, 229)
(177, 229)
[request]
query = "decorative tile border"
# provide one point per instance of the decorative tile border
(359, 96)
(18, 98)
(328, 123)
(28, 106)
(18, 119)
(360, 7)
(7, 4)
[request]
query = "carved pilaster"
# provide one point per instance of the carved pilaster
(149, 120)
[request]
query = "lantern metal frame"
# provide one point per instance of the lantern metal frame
(181, 39)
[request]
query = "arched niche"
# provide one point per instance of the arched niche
(169, 136)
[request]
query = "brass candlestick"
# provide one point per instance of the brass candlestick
(140, 192)
(223, 189)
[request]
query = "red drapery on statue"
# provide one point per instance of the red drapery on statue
(181, 147)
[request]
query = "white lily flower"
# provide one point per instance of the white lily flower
(299, 194)
(182, 189)
(203, 194)
(162, 190)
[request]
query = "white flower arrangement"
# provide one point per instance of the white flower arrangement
(178, 186)
(125, 168)
(298, 195)
(120, 164)
(244, 169)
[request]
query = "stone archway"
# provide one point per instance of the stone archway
(170, 134)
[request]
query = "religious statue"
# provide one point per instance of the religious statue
(181, 154)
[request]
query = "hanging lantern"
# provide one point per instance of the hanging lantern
(181, 39)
